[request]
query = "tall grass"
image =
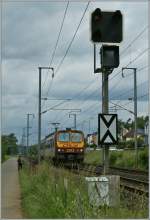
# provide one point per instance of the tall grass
(124, 158)
(55, 193)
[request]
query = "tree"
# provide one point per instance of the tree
(9, 145)
(141, 122)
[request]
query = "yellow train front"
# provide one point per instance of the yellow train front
(69, 146)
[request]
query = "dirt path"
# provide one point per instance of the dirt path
(10, 190)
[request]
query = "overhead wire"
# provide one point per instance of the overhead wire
(74, 37)
(70, 44)
(139, 97)
(137, 37)
(54, 51)
(55, 48)
(137, 57)
(61, 62)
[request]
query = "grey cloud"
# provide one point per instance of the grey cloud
(29, 36)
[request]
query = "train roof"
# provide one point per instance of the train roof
(73, 130)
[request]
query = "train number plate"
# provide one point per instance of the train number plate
(70, 150)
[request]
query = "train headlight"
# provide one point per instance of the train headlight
(59, 150)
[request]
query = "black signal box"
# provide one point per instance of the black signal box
(106, 26)
(109, 56)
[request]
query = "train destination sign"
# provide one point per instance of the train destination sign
(107, 129)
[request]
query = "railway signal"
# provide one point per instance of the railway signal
(106, 26)
(109, 56)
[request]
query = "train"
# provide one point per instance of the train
(67, 145)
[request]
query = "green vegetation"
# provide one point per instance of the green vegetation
(141, 121)
(48, 192)
(144, 159)
(33, 152)
(9, 146)
(6, 157)
(125, 158)
(129, 144)
(93, 157)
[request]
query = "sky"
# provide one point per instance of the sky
(29, 33)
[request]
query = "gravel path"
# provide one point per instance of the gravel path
(10, 190)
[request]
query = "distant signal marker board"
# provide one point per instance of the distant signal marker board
(107, 129)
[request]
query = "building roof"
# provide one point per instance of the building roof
(130, 133)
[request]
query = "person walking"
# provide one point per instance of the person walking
(19, 163)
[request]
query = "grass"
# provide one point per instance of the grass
(50, 192)
(93, 157)
(6, 157)
(124, 158)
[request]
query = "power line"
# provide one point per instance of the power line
(90, 83)
(126, 92)
(53, 55)
(54, 51)
(124, 49)
(70, 44)
(145, 28)
(137, 57)
(139, 97)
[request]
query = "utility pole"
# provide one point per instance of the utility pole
(39, 109)
(75, 123)
(89, 126)
(27, 148)
(28, 126)
(135, 112)
(135, 117)
(39, 116)
(55, 124)
(23, 139)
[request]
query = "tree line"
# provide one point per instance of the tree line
(8, 145)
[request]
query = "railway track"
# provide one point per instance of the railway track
(132, 180)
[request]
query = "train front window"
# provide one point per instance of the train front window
(76, 137)
(63, 137)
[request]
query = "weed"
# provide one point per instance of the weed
(56, 193)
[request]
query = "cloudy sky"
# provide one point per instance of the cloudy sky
(29, 33)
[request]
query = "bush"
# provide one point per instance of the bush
(121, 145)
(143, 158)
(112, 159)
(130, 144)
(140, 142)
